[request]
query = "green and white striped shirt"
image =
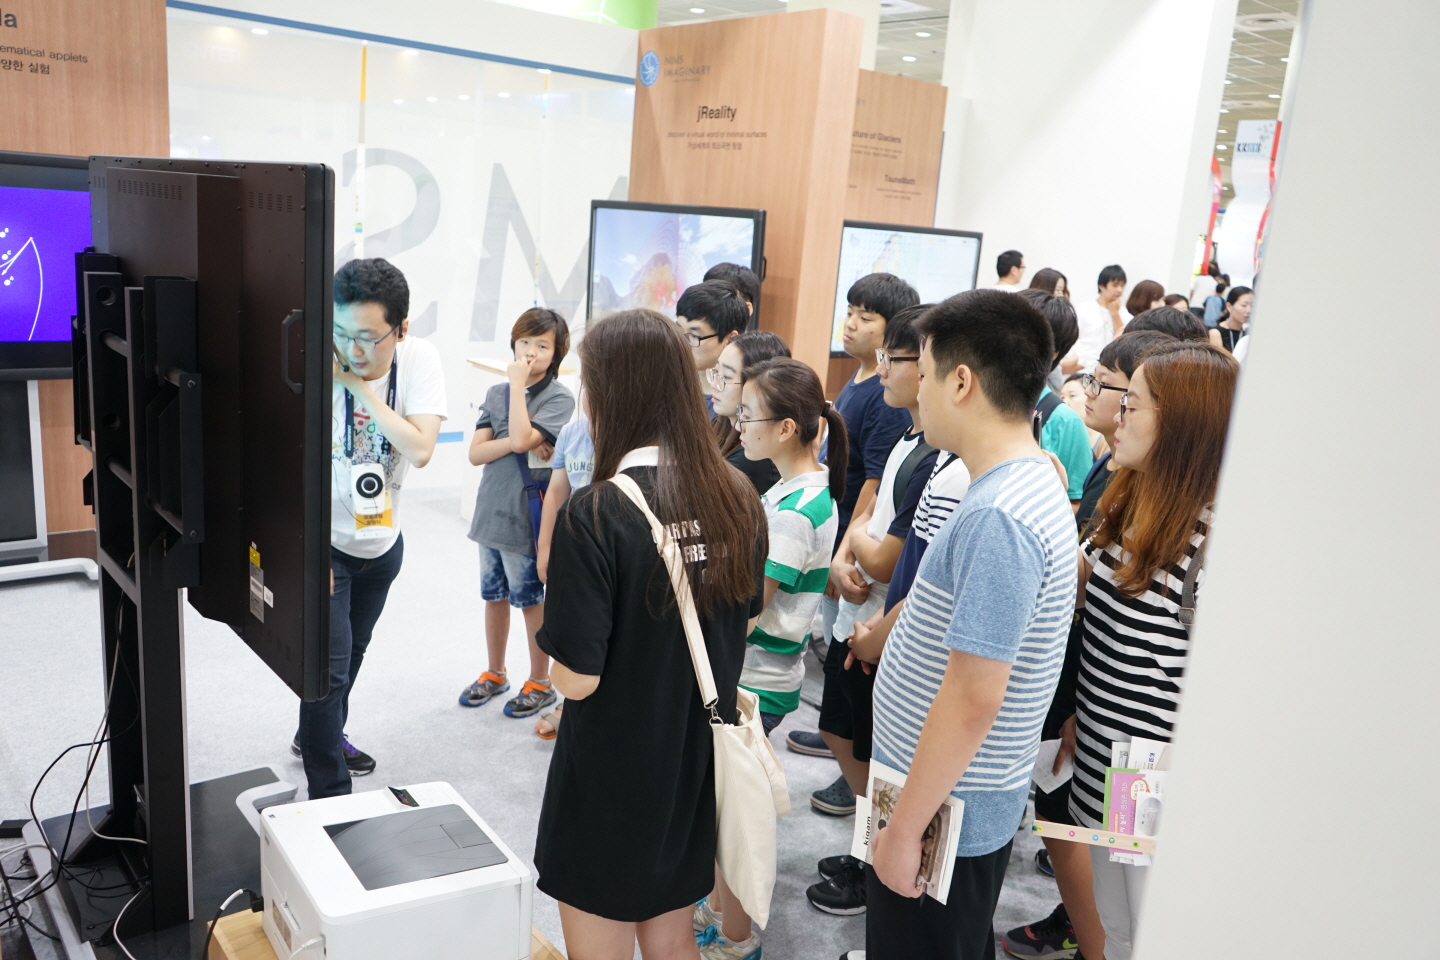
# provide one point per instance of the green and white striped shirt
(803, 522)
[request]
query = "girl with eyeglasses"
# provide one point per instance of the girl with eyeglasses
(1149, 528)
(726, 378)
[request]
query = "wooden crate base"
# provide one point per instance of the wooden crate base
(240, 937)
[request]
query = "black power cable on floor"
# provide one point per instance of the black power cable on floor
(257, 903)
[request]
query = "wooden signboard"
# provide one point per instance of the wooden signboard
(895, 150)
(757, 112)
(80, 77)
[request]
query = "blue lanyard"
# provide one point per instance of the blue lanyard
(389, 402)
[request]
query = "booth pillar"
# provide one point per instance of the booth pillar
(1081, 134)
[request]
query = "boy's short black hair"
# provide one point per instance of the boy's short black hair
(1109, 275)
(900, 333)
(1008, 261)
(538, 321)
(1064, 325)
(718, 303)
(1129, 350)
(882, 293)
(998, 335)
(374, 281)
(742, 277)
(1180, 324)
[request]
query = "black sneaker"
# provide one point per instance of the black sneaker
(835, 800)
(833, 866)
(295, 750)
(843, 895)
(1050, 939)
(1042, 862)
(808, 742)
(358, 762)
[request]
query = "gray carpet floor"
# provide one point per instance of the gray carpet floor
(428, 645)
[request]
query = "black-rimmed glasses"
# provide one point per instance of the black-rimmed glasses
(1093, 386)
(364, 343)
(695, 339)
(883, 360)
(1127, 405)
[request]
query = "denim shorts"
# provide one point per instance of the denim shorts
(509, 576)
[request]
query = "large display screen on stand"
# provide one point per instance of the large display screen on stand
(647, 254)
(937, 263)
(44, 222)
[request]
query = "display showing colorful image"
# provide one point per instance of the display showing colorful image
(41, 230)
(938, 265)
(647, 258)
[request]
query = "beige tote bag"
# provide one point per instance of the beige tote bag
(750, 788)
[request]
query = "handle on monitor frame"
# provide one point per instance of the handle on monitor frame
(285, 350)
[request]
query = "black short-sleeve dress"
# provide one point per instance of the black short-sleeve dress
(627, 826)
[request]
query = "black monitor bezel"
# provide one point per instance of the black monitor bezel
(48, 360)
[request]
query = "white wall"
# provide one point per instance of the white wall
(1298, 822)
(1080, 133)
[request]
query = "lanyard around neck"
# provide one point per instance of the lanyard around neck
(389, 402)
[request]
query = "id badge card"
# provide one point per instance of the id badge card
(370, 491)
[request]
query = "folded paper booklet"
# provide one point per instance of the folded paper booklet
(937, 846)
(1135, 793)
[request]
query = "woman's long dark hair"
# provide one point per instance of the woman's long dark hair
(755, 346)
(791, 390)
(1152, 513)
(639, 377)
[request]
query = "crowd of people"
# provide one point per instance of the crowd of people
(989, 537)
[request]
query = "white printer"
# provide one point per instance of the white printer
(391, 874)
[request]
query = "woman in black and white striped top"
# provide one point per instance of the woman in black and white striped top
(1153, 518)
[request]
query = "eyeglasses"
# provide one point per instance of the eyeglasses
(740, 421)
(1093, 386)
(364, 343)
(883, 360)
(717, 379)
(1127, 406)
(695, 339)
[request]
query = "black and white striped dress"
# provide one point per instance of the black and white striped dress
(1132, 667)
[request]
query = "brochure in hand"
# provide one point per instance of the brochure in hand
(937, 846)
(1135, 793)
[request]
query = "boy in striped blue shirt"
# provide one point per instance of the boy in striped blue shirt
(971, 664)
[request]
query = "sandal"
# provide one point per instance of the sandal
(551, 717)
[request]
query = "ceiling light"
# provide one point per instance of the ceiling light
(1223, 110)
(1284, 59)
(1229, 81)
(921, 33)
(1222, 131)
(542, 70)
(908, 59)
(1273, 96)
(697, 9)
(1221, 146)
(412, 53)
(259, 31)
(399, 101)
(464, 96)
(502, 96)
(431, 99)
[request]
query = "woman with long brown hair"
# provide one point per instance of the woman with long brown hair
(627, 827)
(1148, 530)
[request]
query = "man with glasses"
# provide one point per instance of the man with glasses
(387, 405)
(712, 314)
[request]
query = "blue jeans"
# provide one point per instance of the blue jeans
(510, 576)
(361, 587)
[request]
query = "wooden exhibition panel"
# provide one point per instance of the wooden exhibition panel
(758, 112)
(79, 78)
(895, 150)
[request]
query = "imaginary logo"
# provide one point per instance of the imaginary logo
(649, 68)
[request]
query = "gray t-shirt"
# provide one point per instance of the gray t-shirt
(502, 512)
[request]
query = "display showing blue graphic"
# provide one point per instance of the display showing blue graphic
(647, 258)
(40, 232)
(649, 68)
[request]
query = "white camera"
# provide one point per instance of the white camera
(367, 488)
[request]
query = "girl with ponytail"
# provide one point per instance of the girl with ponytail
(781, 410)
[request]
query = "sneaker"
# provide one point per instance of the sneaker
(295, 750)
(843, 895)
(714, 946)
(534, 697)
(1042, 862)
(705, 917)
(808, 742)
(358, 762)
(835, 800)
(1050, 939)
(833, 866)
(853, 955)
(489, 686)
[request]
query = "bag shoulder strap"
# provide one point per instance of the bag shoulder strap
(522, 460)
(908, 466)
(1186, 613)
(680, 581)
(1048, 405)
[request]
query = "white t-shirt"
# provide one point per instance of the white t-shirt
(1008, 287)
(884, 513)
(421, 390)
(1096, 330)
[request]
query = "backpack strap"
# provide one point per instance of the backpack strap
(1186, 613)
(1048, 405)
(908, 466)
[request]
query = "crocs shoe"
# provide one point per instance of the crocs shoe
(489, 686)
(809, 743)
(534, 697)
(835, 800)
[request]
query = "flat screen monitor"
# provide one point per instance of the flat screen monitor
(937, 263)
(647, 254)
(44, 222)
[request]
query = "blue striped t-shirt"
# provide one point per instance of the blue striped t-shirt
(999, 582)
